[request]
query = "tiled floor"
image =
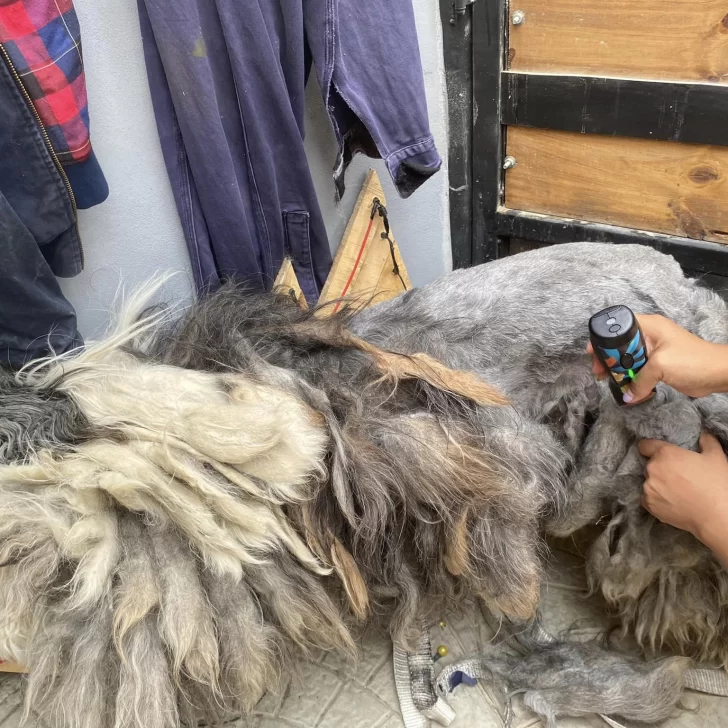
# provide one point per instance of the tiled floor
(329, 693)
(11, 697)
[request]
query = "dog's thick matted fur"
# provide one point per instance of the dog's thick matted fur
(521, 323)
(243, 481)
(188, 501)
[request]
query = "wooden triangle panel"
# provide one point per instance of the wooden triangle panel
(367, 267)
(286, 284)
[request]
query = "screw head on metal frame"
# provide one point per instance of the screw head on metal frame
(518, 17)
(509, 162)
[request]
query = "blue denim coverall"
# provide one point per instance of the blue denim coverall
(227, 80)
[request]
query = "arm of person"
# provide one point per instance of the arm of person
(689, 490)
(682, 360)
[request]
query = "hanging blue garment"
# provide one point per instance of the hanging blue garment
(228, 80)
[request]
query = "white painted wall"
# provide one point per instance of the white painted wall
(136, 233)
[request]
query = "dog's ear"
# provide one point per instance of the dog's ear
(396, 366)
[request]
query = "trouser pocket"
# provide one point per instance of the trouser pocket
(298, 245)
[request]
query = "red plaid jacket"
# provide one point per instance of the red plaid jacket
(43, 41)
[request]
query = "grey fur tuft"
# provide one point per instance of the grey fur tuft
(576, 679)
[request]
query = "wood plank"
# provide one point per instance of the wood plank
(363, 266)
(457, 40)
(488, 38)
(679, 189)
(696, 256)
(517, 245)
(286, 283)
(659, 39)
(686, 112)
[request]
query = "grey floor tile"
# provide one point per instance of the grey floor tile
(354, 707)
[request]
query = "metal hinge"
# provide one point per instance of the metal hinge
(460, 5)
(458, 8)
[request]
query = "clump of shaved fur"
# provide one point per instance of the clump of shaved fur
(577, 679)
(396, 452)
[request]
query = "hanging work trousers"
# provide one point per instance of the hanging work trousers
(227, 80)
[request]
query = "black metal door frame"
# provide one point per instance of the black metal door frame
(484, 97)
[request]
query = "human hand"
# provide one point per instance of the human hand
(688, 490)
(676, 357)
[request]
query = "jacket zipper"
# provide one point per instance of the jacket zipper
(47, 139)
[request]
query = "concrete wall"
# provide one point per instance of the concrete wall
(136, 232)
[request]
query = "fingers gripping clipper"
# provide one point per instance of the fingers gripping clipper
(620, 346)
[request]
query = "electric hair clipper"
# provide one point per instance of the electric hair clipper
(619, 345)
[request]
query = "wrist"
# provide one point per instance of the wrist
(713, 531)
(718, 374)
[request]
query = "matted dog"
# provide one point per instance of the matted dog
(193, 499)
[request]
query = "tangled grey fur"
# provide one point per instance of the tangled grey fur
(190, 501)
(32, 420)
(577, 679)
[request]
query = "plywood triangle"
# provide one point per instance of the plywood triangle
(286, 283)
(368, 266)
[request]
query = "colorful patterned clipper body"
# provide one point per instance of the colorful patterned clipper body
(620, 346)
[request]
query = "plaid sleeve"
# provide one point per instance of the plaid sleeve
(43, 40)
